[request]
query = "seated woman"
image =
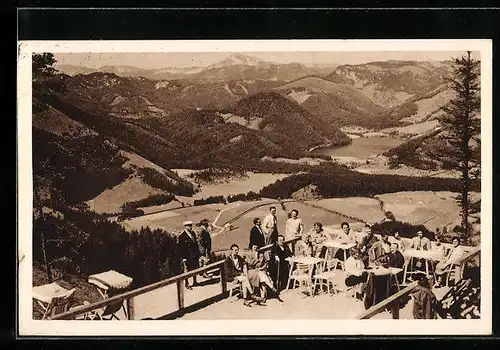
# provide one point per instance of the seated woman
(318, 236)
(354, 268)
(257, 274)
(455, 253)
(304, 247)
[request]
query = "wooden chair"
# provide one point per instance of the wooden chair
(302, 277)
(455, 271)
(106, 313)
(52, 299)
(234, 288)
(57, 306)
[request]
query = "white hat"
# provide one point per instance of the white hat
(186, 223)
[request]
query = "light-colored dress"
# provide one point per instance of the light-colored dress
(293, 228)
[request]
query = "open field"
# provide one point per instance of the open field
(172, 220)
(110, 200)
(364, 208)
(433, 209)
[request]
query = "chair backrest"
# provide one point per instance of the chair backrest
(60, 305)
(112, 308)
(331, 264)
(303, 269)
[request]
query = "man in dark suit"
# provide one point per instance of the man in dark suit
(205, 241)
(256, 235)
(189, 250)
(236, 268)
(278, 266)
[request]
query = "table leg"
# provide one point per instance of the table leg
(289, 275)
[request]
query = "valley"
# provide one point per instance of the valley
(124, 155)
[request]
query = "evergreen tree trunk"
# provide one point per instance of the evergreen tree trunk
(461, 123)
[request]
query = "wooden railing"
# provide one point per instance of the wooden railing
(391, 301)
(179, 280)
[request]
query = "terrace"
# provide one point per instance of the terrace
(169, 299)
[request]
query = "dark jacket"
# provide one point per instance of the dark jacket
(188, 247)
(205, 243)
(232, 271)
(396, 259)
(424, 303)
(367, 242)
(256, 237)
(283, 265)
(393, 260)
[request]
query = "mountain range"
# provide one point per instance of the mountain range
(234, 67)
(235, 112)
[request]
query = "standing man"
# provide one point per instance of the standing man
(205, 243)
(189, 250)
(270, 226)
(257, 236)
(278, 266)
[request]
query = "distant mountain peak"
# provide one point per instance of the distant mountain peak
(238, 59)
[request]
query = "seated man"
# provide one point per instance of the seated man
(419, 242)
(395, 258)
(236, 270)
(304, 247)
(397, 239)
(380, 248)
(366, 244)
(455, 253)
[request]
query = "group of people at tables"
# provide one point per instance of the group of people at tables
(269, 272)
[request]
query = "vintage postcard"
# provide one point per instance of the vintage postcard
(269, 187)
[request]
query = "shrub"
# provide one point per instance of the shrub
(84, 244)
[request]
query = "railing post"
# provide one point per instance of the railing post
(223, 281)
(130, 308)
(395, 309)
(180, 294)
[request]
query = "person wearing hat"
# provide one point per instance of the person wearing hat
(205, 239)
(189, 250)
(205, 243)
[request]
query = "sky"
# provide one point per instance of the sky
(202, 59)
